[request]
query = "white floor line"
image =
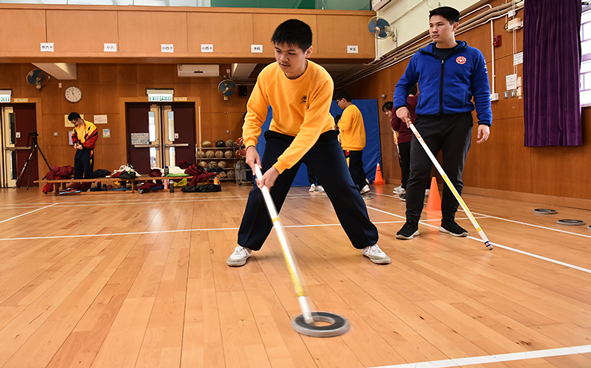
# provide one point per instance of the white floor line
(423, 222)
(152, 201)
(26, 213)
(117, 234)
(185, 230)
(498, 358)
(538, 226)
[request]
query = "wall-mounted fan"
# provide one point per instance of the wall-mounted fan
(38, 78)
(380, 28)
(226, 88)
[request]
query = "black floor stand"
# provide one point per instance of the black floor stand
(34, 148)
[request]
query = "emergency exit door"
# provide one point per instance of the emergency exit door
(160, 135)
(18, 127)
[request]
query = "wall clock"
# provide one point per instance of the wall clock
(73, 94)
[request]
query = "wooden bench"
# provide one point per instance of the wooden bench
(60, 184)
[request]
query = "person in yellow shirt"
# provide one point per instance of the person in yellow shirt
(84, 136)
(352, 139)
(300, 93)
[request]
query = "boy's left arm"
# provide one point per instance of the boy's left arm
(91, 140)
(481, 92)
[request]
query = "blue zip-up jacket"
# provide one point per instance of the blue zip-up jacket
(447, 86)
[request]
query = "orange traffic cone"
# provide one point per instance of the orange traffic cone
(434, 202)
(379, 179)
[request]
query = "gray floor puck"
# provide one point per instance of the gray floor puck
(570, 222)
(337, 325)
(545, 211)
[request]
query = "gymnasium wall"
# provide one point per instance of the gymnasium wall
(502, 165)
(107, 79)
(103, 87)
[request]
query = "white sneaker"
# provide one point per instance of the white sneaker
(398, 189)
(426, 191)
(239, 257)
(319, 188)
(375, 254)
(312, 188)
(365, 189)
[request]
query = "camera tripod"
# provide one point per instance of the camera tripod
(34, 148)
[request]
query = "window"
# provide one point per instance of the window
(586, 58)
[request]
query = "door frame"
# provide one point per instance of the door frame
(144, 99)
(38, 123)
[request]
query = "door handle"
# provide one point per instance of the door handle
(146, 145)
(178, 145)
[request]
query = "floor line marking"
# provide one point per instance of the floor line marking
(496, 358)
(177, 231)
(26, 213)
(506, 247)
(538, 226)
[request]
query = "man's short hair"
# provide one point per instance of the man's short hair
(74, 116)
(388, 106)
(293, 32)
(343, 94)
(447, 12)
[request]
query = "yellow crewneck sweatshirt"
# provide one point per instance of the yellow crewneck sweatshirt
(300, 109)
(352, 129)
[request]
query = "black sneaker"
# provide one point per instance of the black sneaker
(407, 232)
(402, 197)
(452, 228)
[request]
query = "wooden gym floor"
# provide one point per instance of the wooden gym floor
(141, 281)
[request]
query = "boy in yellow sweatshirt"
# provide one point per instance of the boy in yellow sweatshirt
(299, 92)
(352, 139)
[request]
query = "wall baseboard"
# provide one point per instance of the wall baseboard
(530, 197)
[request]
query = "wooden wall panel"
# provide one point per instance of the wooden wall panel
(265, 24)
(563, 171)
(23, 31)
(336, 32)
(230, 34)
(71, 29)
(502, 162)
(144, 32)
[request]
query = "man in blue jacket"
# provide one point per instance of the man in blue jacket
(449, 73)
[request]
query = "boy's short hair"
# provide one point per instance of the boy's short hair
(388, 106)
(293, 32)
(447, 12)
(414, 90)
(343, 94)
(74, 116)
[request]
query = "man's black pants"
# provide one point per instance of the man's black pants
(83, 163)
(326, 160)
(451, 134)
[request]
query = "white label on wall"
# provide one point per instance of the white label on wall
(511, 81)
(5, 98)
(256, 49)
(165, 47)
(206, 47)
(100, 119)
(352, 49)
(110, 47)
(160, 98)
(518, 58)
(47, 47)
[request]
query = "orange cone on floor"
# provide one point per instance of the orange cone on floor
(434, 202)
(379, 179)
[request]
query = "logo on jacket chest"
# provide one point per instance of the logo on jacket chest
(304, 99)
(461, 60)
